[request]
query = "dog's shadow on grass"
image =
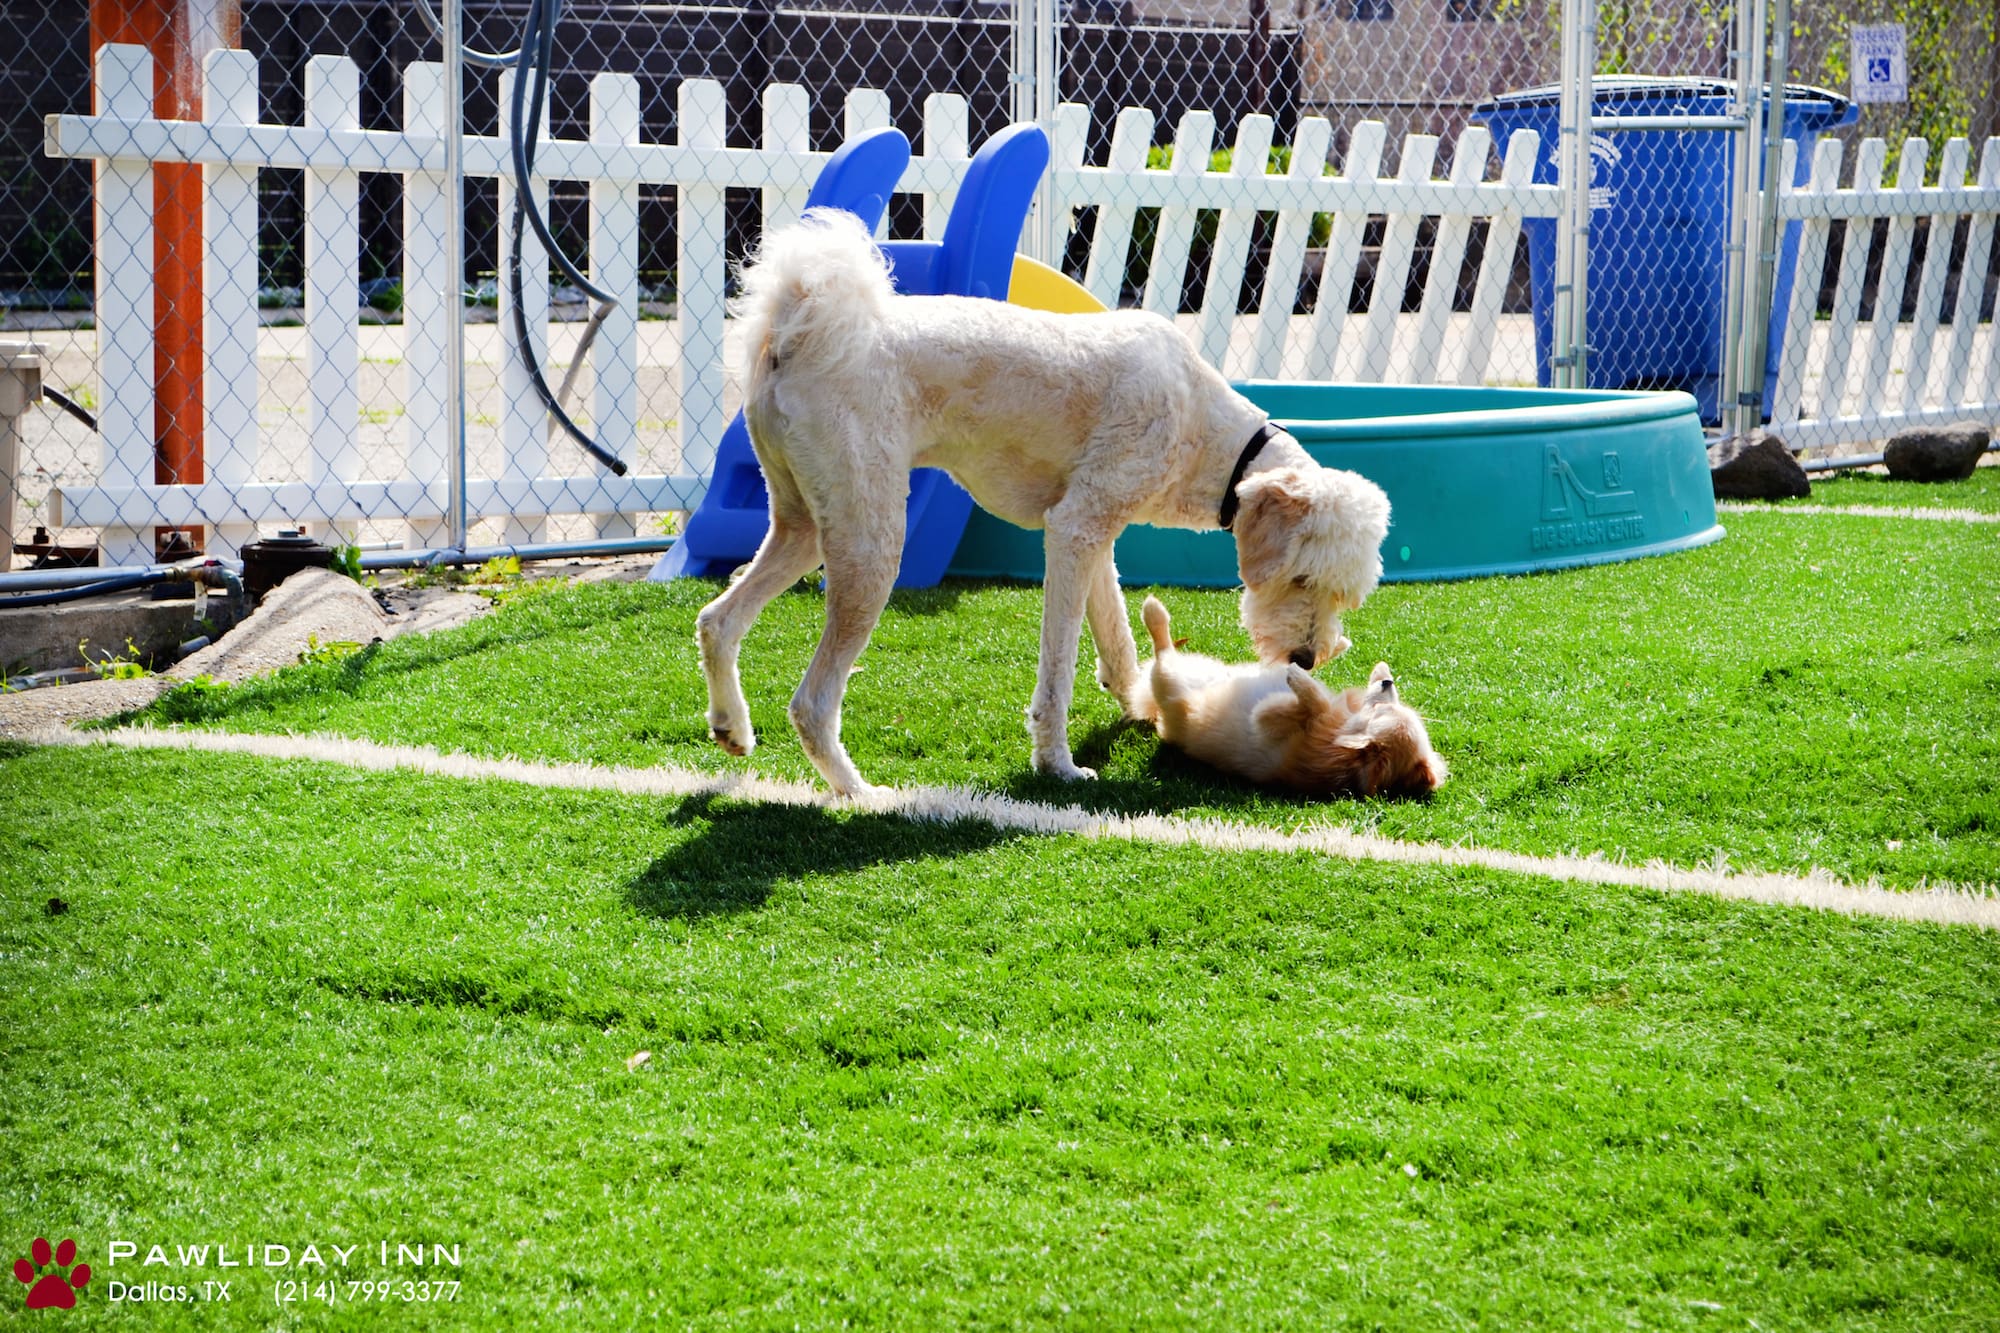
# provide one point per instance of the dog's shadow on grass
(738, 851)
(1172, 782)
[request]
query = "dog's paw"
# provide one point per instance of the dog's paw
(738, 741)
(1065, 768)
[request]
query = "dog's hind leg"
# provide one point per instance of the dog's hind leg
(789, 551)
(863, 551)
(1111, 631)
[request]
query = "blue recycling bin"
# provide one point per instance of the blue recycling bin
(1659, 229)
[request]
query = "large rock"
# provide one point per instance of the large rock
(1935, 453)
(1756, 466)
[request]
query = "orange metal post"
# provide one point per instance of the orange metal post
(179, 33)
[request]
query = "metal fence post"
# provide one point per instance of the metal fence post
(1568, 348)
(454, 262)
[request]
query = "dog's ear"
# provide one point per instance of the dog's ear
(1270, 507)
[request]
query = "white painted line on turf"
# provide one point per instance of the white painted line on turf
(1862, 511)
(1939, 904)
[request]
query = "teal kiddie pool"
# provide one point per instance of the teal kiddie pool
(1480, 481)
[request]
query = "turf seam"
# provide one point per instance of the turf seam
(1942, 515)
(1942, 904)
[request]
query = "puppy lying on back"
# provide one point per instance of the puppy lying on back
(1279, 726)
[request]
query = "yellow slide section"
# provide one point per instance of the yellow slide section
(1040, 287)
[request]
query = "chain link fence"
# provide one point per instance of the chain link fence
(321, 406)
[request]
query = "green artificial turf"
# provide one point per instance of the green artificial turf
(922, 1077)
(1980, 492)
(1817, 691)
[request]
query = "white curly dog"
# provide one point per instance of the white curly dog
(1075, 424)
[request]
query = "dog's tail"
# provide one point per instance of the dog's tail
(1157, 625)
(812, 296)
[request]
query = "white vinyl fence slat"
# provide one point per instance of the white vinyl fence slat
(700, 279)
(1111, 242)
(1930, 286)
(332, 255)
(126, 401)
(427, 287)
(1982, 383)
(1468, 167)
(1972, 287)
(1343, 252)
(1496, 266)
(946, 138)
(1250, 157)
(1174, 236)
(524, 418)
(1288, 252)
(1392, 264)
(614, 266)
(1847, 291)
(1788, 398)
(787, 129)
(1889, 284)
(229, 280)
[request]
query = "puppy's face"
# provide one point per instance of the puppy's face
(1308, 544)
(1376, 746)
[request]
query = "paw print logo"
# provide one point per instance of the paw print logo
(53, 1291)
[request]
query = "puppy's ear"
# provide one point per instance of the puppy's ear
(1271, 506)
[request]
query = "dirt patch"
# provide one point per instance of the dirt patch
(311, 610)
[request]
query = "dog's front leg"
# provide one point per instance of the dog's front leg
(1073, 550)
(1111, 630)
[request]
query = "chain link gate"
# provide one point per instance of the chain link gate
(246, 312)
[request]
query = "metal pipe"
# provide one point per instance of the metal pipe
(1837, 464)
(1565, 257)
(42, 580)
(106, 581)
(39, 580)
(1859, 460)
(1758, 312)
(479, 555)
(1749, 51)
(1668, 122)
(454, 263)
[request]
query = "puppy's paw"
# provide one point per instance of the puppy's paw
(1340, 645)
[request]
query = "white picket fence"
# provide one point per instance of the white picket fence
(341, 485)
(1830, 391)
(527, 479)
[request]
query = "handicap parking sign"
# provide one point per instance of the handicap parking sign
(1881, 64)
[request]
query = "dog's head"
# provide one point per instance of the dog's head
(1379, 748)
(1309, 546)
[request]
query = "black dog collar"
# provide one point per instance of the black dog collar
(1226, 516)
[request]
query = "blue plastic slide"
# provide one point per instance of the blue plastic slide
(975, 258)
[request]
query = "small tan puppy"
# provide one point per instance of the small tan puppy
(1279, 726)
